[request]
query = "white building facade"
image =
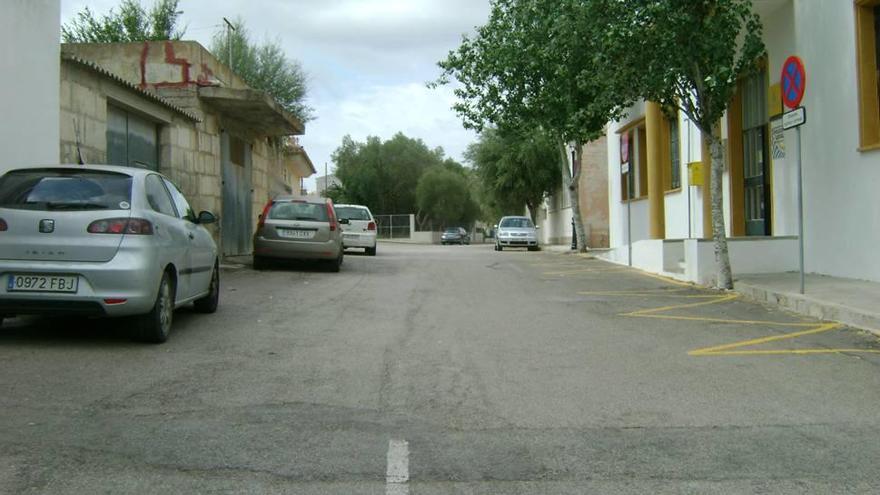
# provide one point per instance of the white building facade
(662, 219)
(29, 89)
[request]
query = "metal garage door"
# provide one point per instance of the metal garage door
(235, 220)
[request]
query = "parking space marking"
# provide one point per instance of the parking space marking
(680, 290)
(735, 348)
(576, 271)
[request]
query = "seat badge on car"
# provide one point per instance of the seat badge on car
(47, 226)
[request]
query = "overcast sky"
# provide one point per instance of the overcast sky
(367, 60)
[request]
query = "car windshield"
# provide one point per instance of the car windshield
(293, 210)
(452, 231)
(42, 189)
(352, 213)
(516, 223)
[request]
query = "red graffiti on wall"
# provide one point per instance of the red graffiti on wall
(170, 59)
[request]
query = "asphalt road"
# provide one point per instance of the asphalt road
(433, 370)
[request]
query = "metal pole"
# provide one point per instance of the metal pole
(326, 180)
(229, 30)
(800, 180)
(690, 208)
(629, 216)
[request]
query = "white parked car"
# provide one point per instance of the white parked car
(360, 232)
(516, 231)
(100, 240)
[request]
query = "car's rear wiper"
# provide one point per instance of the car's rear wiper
(75, 205)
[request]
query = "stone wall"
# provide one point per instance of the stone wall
(189, 152)
(83, 111)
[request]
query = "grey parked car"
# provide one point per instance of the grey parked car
(516, 231)
(299, 228)
(455, 235)
(100, 240)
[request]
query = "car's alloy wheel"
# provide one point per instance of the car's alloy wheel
(208, 304)
(155, 326)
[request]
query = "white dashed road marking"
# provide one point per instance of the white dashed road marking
(397, 472)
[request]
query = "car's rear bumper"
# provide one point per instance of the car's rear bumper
(303, 250)
(130, 278)
(359, 240)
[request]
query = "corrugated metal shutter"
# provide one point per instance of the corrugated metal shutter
(131, 139)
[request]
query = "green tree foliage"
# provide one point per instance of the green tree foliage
(541, 64)
(265, 67)
(515, 169)
(444, 196)
(383, 175)
(132, 22)
(691, 54)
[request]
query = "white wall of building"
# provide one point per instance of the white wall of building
(30, 83)
(841, 204)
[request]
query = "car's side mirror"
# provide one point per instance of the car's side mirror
(344, 221)
(206, 217)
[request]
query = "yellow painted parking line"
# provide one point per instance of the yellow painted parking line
(565, 273)
(679, 292)
(784, 352)
(734, 348)
(764, 340)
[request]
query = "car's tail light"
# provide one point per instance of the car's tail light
(371, 226)
(3, 226)
(136, 226)
(331, 214)
(262, 220)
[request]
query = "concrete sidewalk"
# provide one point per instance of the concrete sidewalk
(849, 301)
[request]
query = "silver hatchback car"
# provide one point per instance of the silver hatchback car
(100, 240)
(516, 231)
(299, 228)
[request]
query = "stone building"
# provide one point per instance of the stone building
(555, 216)
(187, 115)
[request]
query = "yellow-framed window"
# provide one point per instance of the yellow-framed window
(867, 14)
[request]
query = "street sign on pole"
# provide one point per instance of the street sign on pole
(794, 85)
(794, 118)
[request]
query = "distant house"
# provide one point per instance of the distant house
(175, 108)
(324, 182)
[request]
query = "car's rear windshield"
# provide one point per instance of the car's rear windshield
(352, 213)
(55, 189)
(295, 210)
(516, 223)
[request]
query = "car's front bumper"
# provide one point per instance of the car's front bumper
(131, 275)
(517, 242)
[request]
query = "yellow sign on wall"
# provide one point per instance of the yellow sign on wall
(774, 100)
(695, 173)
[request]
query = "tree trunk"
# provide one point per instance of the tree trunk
(572, 183)
(719, 235)
(533, 211)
